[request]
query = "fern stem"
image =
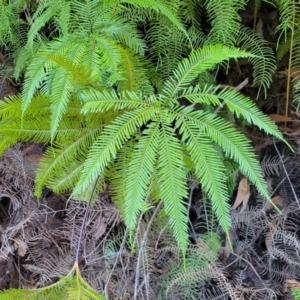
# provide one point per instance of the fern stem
(84, 222)
(194, 235)
(288, 84)
(237, 88)
(143, 241)
(105, 290)
(255, 13)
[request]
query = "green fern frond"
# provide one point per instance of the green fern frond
(171, 180)
(234, 144)
(224, 30)
(264, 64)
(61, 89)
(289, 12)
(243, 106)
(296, 293)
(103, 101)
(112, 139)
(123, 31)
(198, 62)
(290, 26)
(48, 11)
(37, 71)
(158, 6)
(209, 168)
(13, 31)
(64, 158)
(134, 74)
(23, 58)
(82, 74)
(201, 94)
(168, 45)
(182, 282)
(140, 172)
(70, 287)
(118, 173)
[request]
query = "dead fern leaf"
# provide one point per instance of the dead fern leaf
(243, 194)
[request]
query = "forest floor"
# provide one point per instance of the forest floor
(38, 242)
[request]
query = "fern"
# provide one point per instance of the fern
(100, 98)
(264, 63)
(104, 58)
(296, 293)
(224, 30)
(13, 29)
(289, 25)
(71, 287)
(197, 128)
(85, 145)
(182, 284)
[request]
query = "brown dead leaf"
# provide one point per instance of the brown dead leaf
(35, 158)
(292, 283)
(278, 200)
(21, 246)
(99, 228)
(243, 194)
(279, 118)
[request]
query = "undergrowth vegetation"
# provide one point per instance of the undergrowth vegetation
(125, 97)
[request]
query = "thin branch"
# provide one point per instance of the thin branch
(142, 244)
(84, 222)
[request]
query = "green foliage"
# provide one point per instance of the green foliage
(296, 293)
(118, 91)
(289, 29)
(86, 144)
(70, 287)
(224, 30)
(264, 63)
(182, 283)
(13, 30)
